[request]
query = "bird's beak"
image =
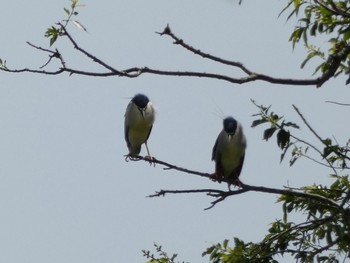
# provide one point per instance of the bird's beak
(142, 111)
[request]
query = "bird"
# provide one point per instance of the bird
(138, 123)
(229, 151)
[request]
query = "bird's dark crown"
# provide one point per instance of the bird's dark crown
(140, 100)
(230, 125)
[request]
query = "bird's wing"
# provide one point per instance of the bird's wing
(149, 132)
(238, 170)
(126, 124)
(126, 131)
(213, 155)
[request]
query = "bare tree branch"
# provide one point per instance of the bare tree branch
(334, 62)
(54, 54)
(134, 72)
(307, 124)
(338, 103)
(168, 166)
(221, 195)
(178, 41)
(94, 58)
(320, 139)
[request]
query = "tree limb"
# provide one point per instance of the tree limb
(221, 195)
(138, 71)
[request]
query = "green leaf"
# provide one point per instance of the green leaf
(310, 56)
(284, 152)
(284, 212)
(53, 40)
(291, 124)
(283, 138)
(313, 29)
(268, 133)
(79, 25)
(74, 3)
(284, 9)
(320, 28)
(297, 4)
(305, 20)
(296, 35)
(53, 33)
(67, 11)
(275, 117)
(327, 141)
(346, 34)
(327, 151)
(258, 122)
(293, 159)
(224, 243)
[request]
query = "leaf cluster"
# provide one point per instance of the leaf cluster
(162, 256)
(326, 227)
(327, 18)
(241, 252)
(324, 235)
(335, 153)
(277, 125)
(54, 32)
(322, 232)
(329, 153)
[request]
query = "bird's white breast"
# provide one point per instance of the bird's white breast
(232, 150)
(139, 125)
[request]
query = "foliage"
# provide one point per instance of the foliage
(333, 154)
(162, 256)
(324, 234)
(54, 32)
(241, 252)
(276, 124)
(327, 18)
(318, 18)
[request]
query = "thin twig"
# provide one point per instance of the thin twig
(54, 54)
(40, 48)
(320, 139)
(320, 163)
(94, 58)
(308, 125)
(317, 136)
(338, 103)
(178, 41)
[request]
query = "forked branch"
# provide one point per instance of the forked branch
(134, 72)
(221, 195)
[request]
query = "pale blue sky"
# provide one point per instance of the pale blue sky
(66, 193)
